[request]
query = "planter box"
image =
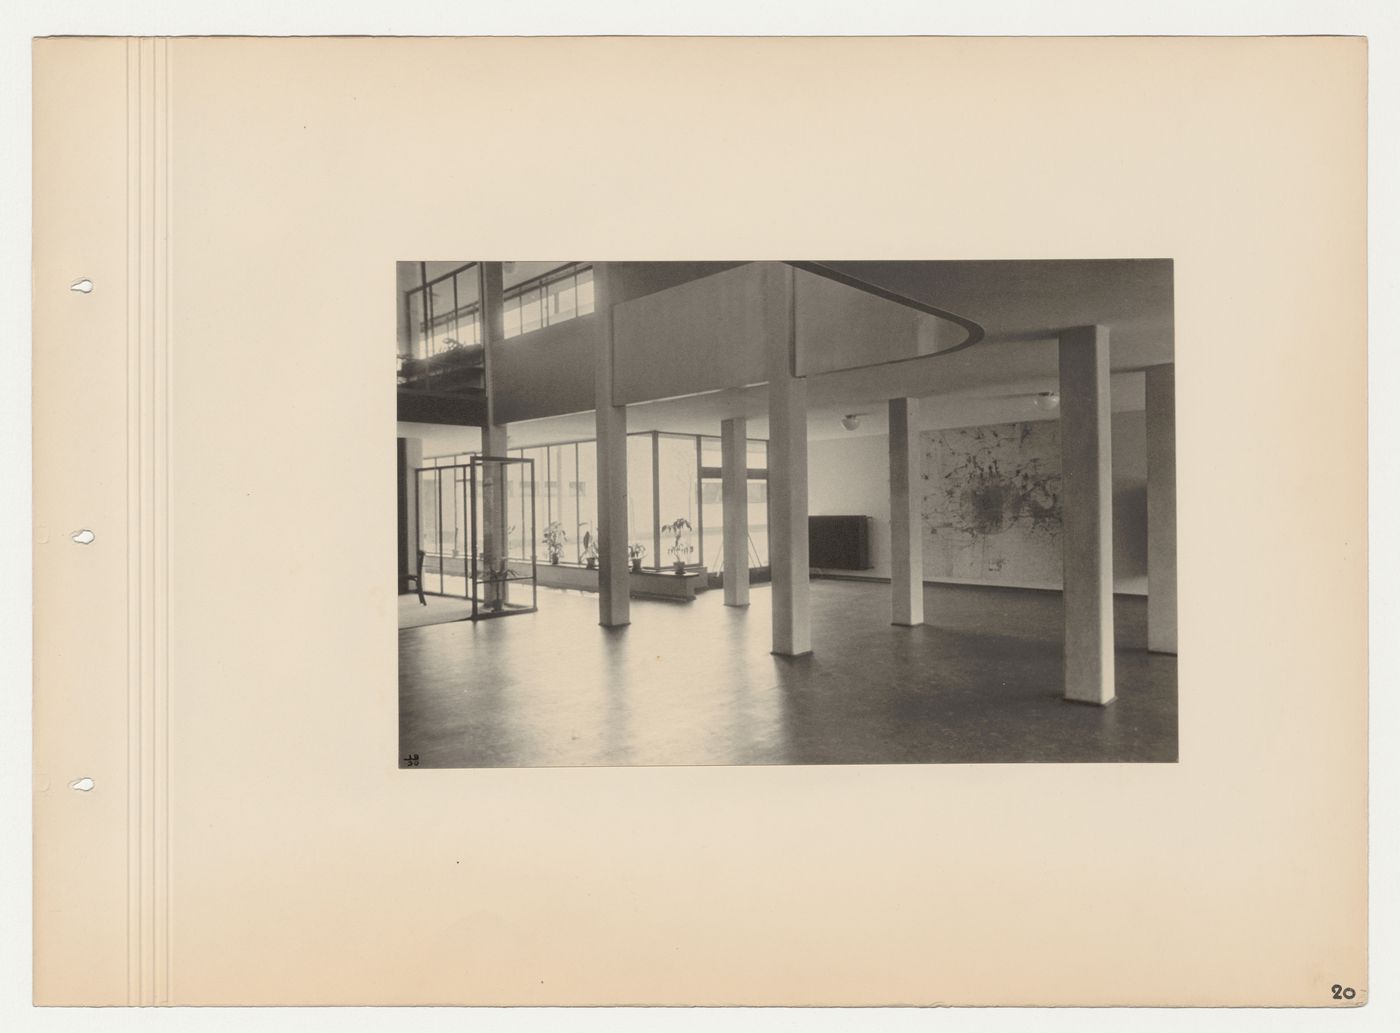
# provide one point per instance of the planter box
(655, 584)
(565, 575)
(649, 584)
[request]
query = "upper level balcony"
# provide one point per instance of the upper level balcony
(440, 353)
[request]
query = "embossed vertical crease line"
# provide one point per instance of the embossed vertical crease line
(148, 505)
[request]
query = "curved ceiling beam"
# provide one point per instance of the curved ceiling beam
(975, 332)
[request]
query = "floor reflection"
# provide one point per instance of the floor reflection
(696, 684)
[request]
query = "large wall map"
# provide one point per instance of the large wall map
(991, 503)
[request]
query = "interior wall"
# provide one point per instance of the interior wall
(439, 439)
(704, 335)
(549, 372)
(636, 279)
(546, 372)
(850, 476)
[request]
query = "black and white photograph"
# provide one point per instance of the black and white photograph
(785, 512)
(815, 454)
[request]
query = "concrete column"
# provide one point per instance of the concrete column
(787, 485)
(495, 441)
(614, 602)
(1087, 479)
(1161, 509)
(495, 495)
(906, 519)
(734, 474)
(493, 333)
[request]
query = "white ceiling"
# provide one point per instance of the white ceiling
(701, 414)
(1021, 300)
(1020, 305)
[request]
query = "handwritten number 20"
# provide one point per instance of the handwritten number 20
(1342, 993)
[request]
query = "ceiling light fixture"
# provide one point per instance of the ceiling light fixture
(851, 420)
(1047, 400)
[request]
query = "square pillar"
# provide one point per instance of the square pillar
(734, 475)
(1087, 500)
(787, 485)
(614, 601)
(495, 497)
(906, 519)
(1161, 509)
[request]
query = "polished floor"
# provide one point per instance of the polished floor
(695, 684)
(437, 609)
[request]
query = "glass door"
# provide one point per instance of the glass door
(444, 529)
(503, 568)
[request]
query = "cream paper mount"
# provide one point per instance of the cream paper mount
(247, 837)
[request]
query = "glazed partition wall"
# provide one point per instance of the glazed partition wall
(444, 353)
(502, 584)
(476, 528)
(670, 477)
(444, 529)
(444, 347)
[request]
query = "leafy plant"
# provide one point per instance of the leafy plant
(554, 538)
(492, 568)
(680, 546)
(635, 552)
(590, 549)
(494, 571)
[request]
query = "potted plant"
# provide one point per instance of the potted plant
(554, 538)
(494, 572)
(635, 552)
(680, 547)
(590, 550)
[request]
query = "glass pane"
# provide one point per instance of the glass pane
(562, 300)
(428, 531)
(523, 541)
(417, 339)
(758, 455)
(530, 313)
(502, 584)
(514, 473)
(563, 475)
(641, 521)
(710, 452)
(443, 312)
(587, 487)
(542, 517)
(712, 534)
(529, 515)
(585, 291)
(512, 317)
(467, 289)
(678, 498)
(758, 523)
(456, 489)
(469, 329)
(515, 476)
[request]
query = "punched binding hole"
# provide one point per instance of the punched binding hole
(83, 537)
(83, 286)
(82, 785)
